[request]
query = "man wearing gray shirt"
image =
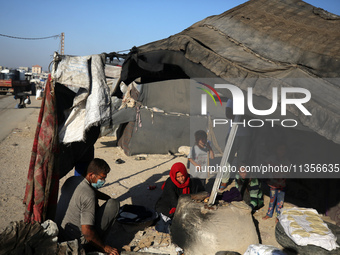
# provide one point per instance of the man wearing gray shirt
(78, 213)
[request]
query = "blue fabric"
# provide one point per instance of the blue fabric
(80, 168)
(163, 226)
(276, 200)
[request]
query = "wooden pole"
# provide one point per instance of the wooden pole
(62, 41)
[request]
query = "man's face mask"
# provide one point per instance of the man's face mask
(97, 185)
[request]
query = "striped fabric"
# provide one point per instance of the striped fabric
(253, 186)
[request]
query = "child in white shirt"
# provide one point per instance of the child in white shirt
(198, 157)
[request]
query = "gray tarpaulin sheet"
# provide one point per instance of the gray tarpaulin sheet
(92, 103)
(178, 91)
(276, 39)
(164, 132)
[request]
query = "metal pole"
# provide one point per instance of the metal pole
(224, 160)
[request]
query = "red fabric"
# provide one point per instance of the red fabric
(180, 167)
(173, 210)
(42, 181)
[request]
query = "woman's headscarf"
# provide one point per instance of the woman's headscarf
(180, 167)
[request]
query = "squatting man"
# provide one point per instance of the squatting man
(78, 214)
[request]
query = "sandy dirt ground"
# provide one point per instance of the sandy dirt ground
(128, 182)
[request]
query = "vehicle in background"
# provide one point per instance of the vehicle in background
(13, 81)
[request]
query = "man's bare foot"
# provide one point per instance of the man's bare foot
(266, 217)
(277, 220)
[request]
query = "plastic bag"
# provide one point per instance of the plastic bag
(255, 249)
(38, 96)
(27, 100)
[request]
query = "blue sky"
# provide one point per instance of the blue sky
(93, 27)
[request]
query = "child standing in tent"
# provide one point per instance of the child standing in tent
(250, 188)
(199, 157)
(277, 184)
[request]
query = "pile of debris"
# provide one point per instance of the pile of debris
(150, 240)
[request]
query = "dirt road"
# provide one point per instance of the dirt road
(10, 116)
(17, 133)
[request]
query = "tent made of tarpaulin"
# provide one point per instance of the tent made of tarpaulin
(257, 40)
(261, 44)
